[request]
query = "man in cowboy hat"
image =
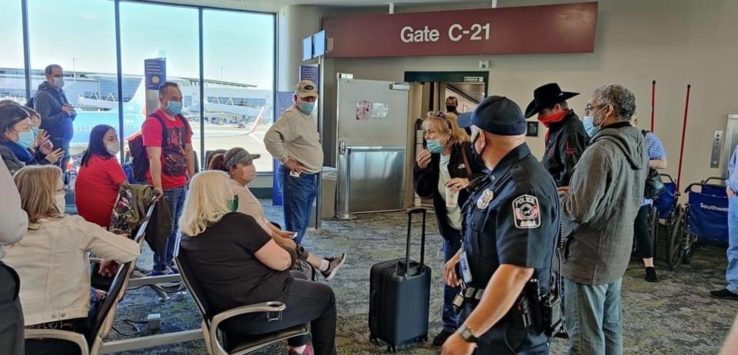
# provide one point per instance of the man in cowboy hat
(566, 137)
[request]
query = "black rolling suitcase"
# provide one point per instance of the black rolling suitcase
(399, 297)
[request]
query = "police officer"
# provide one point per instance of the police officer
(511, 223)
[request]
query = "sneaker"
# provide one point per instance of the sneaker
(173, 269)
(561, 334)
(651, 274)
(724, 294)
(166, 271)
(308, 351)
(333, 265)
(441, 337)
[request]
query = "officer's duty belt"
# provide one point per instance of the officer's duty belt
(472, 293)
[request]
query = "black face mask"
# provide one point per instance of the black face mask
(477, 156)
(450, 108)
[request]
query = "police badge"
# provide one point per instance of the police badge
(485, 199)
(527, 213)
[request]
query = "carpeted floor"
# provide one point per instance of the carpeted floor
(674, 316)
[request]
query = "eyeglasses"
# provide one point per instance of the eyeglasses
(589, 108)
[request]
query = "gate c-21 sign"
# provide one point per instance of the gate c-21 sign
(562, 28)
(455, 33)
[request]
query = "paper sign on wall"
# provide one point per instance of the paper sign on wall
(379, 111)
(363, 110)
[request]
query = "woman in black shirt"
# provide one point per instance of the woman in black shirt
(238, 263)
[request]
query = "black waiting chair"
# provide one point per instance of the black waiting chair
(217, 341)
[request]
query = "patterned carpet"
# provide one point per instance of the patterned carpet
(674, 316)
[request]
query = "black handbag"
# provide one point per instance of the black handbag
(654, 185)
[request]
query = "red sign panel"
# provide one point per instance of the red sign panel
(563, 28)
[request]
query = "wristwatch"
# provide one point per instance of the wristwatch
(467, 334)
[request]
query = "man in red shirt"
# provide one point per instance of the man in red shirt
(167, 137)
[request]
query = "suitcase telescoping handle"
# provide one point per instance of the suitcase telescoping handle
(410, 214)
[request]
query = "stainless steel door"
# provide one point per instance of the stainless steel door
(372, 141)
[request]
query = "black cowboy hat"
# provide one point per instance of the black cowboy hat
(547, 96)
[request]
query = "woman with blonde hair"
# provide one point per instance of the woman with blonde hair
(238, 163)
(238, 263)
(51, 259)
(442, 171)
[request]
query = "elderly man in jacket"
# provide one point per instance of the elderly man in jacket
(601, 202)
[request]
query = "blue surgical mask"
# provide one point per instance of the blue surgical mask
(26, 139)
(174, 107)
(306, 107)
(589, 126)
(434, 146)
(58, 83)
(35, 131)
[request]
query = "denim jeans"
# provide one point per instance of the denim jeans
(451, 245)
(175, 200)
(731, 273)
(298, 195)
(594, 318)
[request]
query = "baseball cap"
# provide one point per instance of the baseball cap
(497, 115)
(306, 88)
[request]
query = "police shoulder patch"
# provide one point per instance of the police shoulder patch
(527, 212)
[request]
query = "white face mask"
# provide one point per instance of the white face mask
(61, 203)
(112, 148)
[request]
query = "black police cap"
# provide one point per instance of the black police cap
(497, 115)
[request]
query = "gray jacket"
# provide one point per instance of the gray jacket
(605, 194)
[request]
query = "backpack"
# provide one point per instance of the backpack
(139, 156)
(654, 184)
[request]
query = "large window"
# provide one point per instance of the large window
(161, 31)
(78, 35)
(239, 81)
(12, 76)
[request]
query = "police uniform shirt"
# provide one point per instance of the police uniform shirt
(512, 218)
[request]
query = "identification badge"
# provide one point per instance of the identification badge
(294, 174)
(485, 199)
(465, 271)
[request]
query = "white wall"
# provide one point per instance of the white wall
(674, 42)
(293, 24)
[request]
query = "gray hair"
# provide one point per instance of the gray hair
(50, 68)
(621, 99)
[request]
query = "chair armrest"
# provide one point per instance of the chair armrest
(271, 306)
(66, 335)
